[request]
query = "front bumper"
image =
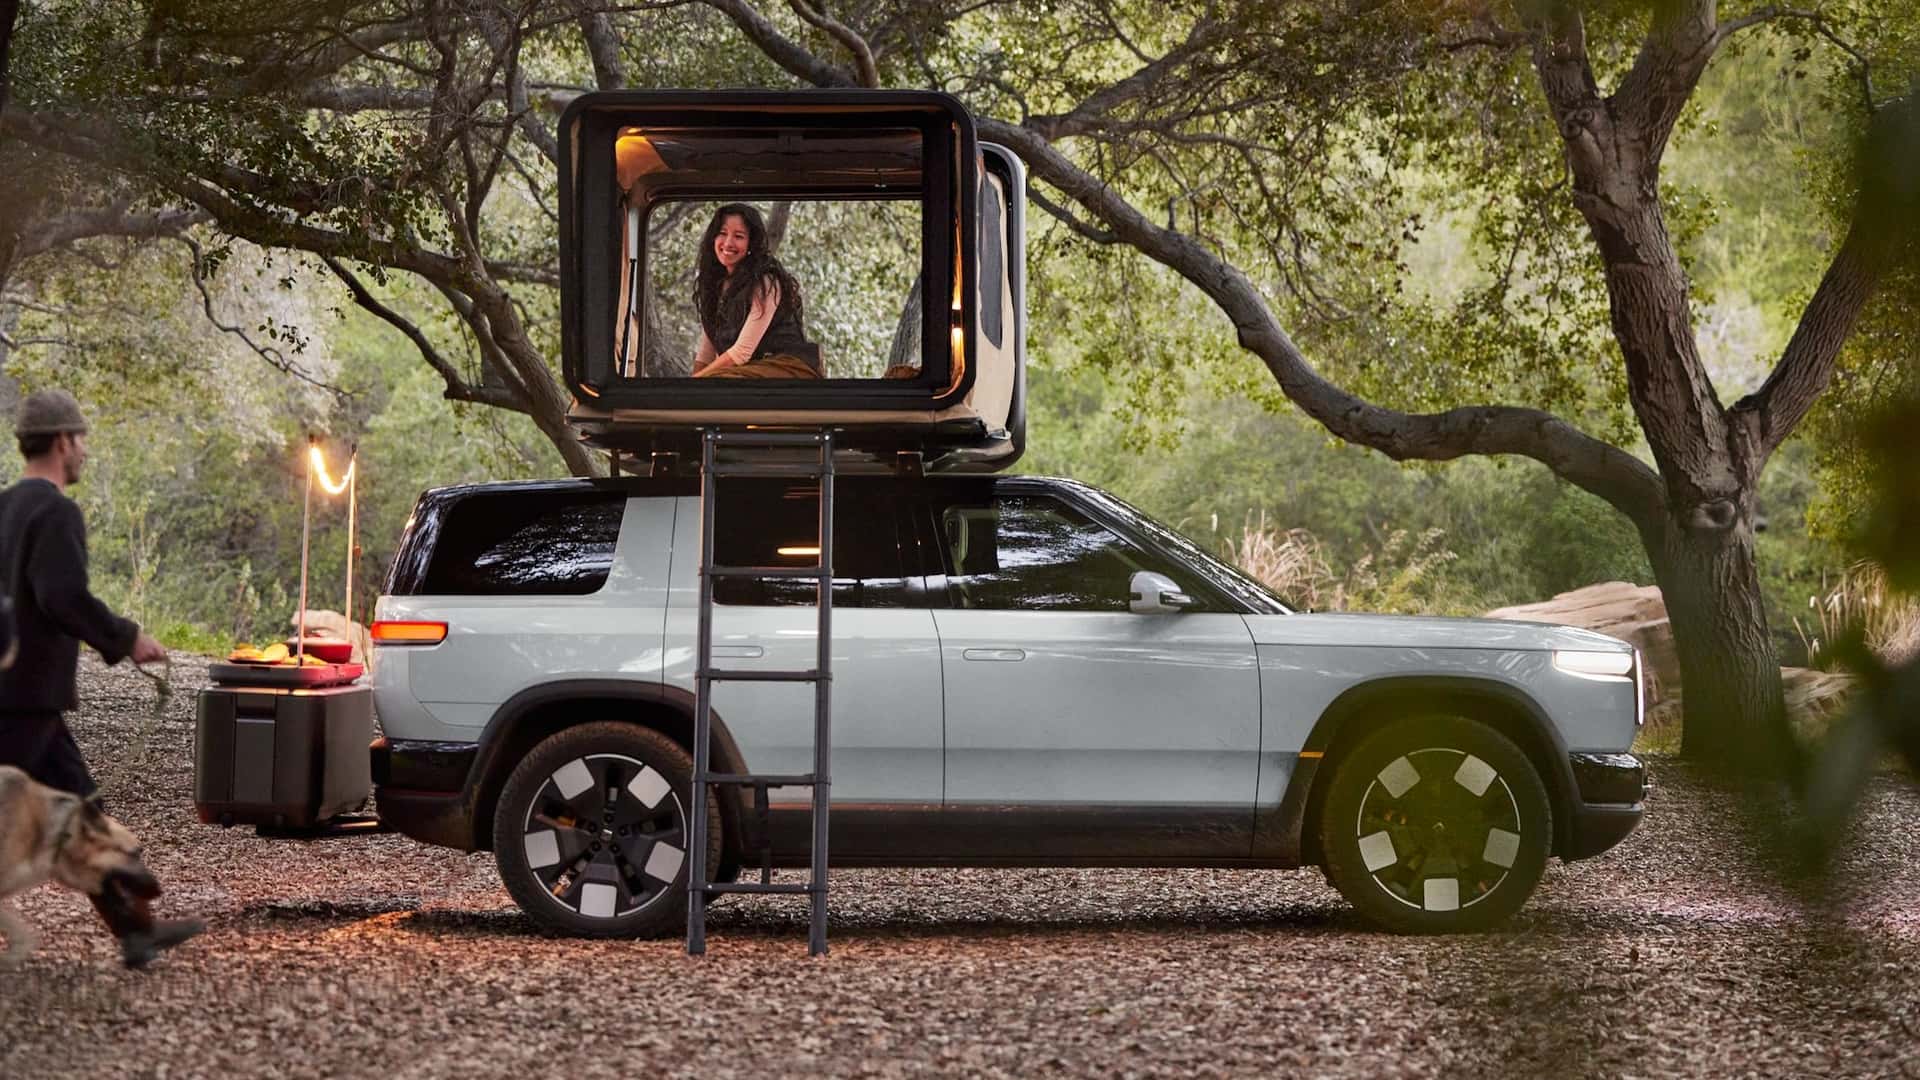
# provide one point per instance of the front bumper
(420, 789)
(1610, 792)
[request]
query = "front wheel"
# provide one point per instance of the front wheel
(591, 832)
(1435, 824)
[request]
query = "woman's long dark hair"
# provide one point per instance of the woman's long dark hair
(717, 294)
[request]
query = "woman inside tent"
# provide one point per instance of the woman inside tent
(749, 305)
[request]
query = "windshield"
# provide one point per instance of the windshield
(1226, 577)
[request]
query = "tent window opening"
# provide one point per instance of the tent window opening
(836, 287)
(774, 252)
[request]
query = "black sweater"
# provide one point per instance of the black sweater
(43, 563)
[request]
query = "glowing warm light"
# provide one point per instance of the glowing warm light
(797, 550)
(319, 465)
(408, 633)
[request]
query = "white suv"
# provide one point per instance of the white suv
(1008, 690)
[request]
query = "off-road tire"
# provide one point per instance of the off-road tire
(617, 885)
(1408, 841)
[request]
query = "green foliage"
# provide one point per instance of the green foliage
(1403, 205)
(194, 488)
(1214, 465)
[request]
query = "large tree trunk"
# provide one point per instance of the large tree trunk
(1732, 696)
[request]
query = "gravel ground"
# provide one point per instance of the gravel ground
(1674, 955)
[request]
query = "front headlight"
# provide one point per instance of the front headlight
(1594, 665)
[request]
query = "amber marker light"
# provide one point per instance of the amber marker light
(797, 551)
(408, 633)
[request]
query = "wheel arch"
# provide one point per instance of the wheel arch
(536, 713)
(1360, 709)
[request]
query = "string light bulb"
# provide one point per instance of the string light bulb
(319, 464)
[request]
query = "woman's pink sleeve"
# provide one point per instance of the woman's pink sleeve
(703, 353)
(766, 301)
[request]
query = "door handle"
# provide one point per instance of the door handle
(994, 654)
(738, 652)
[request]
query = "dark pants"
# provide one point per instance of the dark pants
(39, 744)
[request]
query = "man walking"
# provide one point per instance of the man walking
(43, 567)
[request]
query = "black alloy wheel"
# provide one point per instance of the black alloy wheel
(1436, 824)
(591, 832)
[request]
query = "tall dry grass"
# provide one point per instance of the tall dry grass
(1861, 598)
(1399, 575)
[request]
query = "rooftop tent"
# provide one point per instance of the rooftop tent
(883, 258)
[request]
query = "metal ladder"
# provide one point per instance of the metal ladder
(712, 470)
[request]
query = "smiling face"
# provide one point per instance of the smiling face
(730, 243)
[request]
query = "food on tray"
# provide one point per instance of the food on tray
(275, 653)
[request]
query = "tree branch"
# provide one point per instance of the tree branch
(1072, 220)
(864, 70)
(79, 225)
(1862, 66)
(1672, 58)
(271, 354)
(258, 226)
(1605, 470)
(1205, 35)
(457, 388)
(1573, 96)
(1806, 366)
(603, 47)
(796, 59)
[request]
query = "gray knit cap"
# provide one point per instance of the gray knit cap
(48, 412)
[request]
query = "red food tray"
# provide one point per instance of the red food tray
(228, 673)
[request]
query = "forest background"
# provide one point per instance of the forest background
(207, 362)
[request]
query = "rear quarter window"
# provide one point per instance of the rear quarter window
(522, 543)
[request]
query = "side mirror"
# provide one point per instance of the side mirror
(1155, 594)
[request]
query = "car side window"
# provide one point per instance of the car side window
(776, 523)
(526, 544)
(1035, 553)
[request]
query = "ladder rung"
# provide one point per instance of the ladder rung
(767, 438)
(759, 887)
(767, 471)
(815, 572)
(769, 779)
(747, 675)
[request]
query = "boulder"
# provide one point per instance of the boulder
(1632, 613)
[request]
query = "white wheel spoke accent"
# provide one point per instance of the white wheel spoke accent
(597, 900)
(649, 787)
(543, 849)
(664, 862)
(1503, 848)
(1442, 894)
(1399, 776)
(573, 778)
(1377, 852)
(1475, 775)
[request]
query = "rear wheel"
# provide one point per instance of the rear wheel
(1436, 824)
(591, 832)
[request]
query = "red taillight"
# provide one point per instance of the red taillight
(409, 633)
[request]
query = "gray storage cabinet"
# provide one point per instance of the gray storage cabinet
(281, 757)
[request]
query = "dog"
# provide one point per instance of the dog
(49, 835)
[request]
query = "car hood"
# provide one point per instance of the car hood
(1422, 632)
